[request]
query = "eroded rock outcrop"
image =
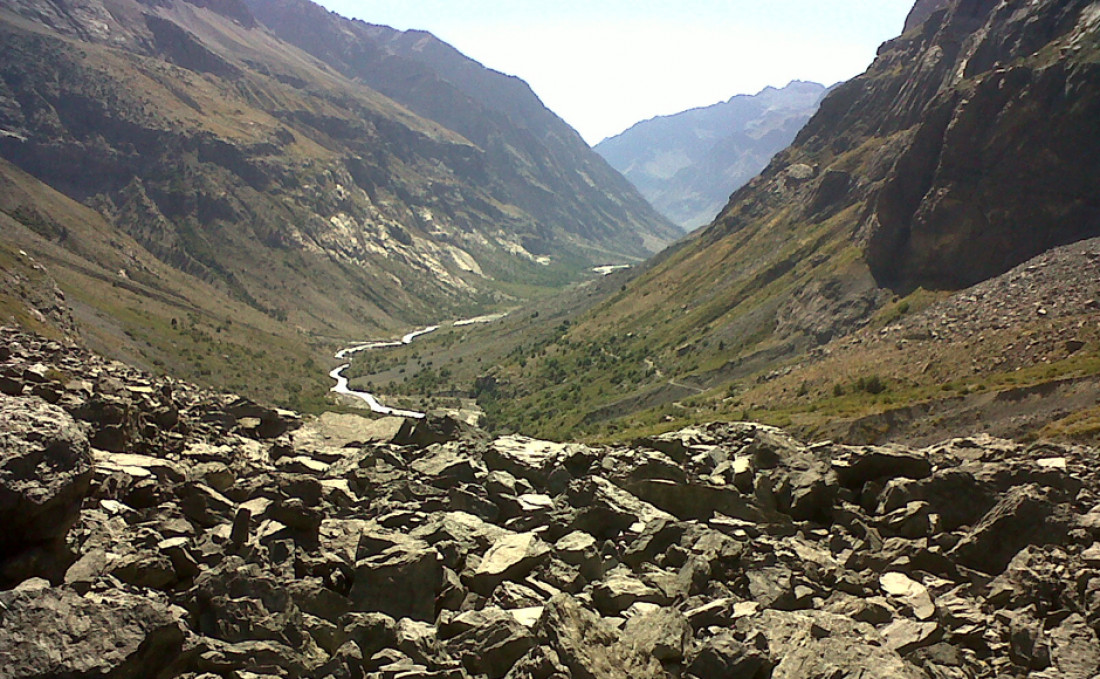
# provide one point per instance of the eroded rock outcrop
(206, 547)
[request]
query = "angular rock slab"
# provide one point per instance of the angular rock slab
(56, 633)
(45, 470)
(911, 592)
(403, 582)
(588, 646)
(1026, 515)
(510, 557)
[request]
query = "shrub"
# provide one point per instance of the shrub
(872, 385)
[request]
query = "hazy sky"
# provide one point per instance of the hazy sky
(603, 65)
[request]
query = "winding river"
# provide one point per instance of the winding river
(370, 399)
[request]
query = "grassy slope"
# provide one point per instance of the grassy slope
(132, 306)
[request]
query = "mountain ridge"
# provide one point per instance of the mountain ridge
(687, 164)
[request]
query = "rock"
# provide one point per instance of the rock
(344, 432)
(1027, 515)
(587, 646)
(205, 506)
(371, 632)
(239, 602)
(269, 423)
(1091, 556)
(403, 581)
(914, 520)
(725, 656)
(771, 587)
(472, 533)
(138, 466)
(909, 591)
(1091, 522)
(665, 634)
(679, 445)
(435, 428)
(45, 472)
(575, 548)
(262, 658)
(527, 458)
(620, 590)
(860, 465)
(446, 467)
(605, 510)
(539, 663)
(695, 501)
(55, 633)
(1075, 649)
(490, 641)
(626, 465)
(511, 557)
(817, 644)
(418, 641)
(813, 492)
(905, 636)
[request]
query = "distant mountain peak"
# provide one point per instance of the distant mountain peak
(687, 164)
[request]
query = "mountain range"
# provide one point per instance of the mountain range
(231, 192)
(687, 164)
(340, 183)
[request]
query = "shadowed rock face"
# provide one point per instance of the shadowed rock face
(922, 10)
(1003, 162)
(45, 471)
(217, 545)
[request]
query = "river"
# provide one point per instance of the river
(370, 399)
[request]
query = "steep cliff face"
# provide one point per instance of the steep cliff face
(298, 189)
(687, 164)
(1004, 161)
(966, 148)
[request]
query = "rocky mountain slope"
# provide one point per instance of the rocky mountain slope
(68, 272)
(202, 535)
(532, 157)
(291, 187)
(966, 149)
(687, 164)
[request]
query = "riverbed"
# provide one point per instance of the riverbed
(370, 399)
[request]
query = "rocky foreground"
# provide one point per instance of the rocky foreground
(154, 529)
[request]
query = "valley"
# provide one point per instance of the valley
(215, 156)
(785, 308)
(846, 429)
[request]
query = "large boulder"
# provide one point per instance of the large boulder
(510, 557)
(587, 646)
(402, 581)
(489, 641)
(52, 633)
(1026, 515)
(45, 471)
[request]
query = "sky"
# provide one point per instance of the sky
(603, 65)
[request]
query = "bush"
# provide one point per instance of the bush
(872, 385)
